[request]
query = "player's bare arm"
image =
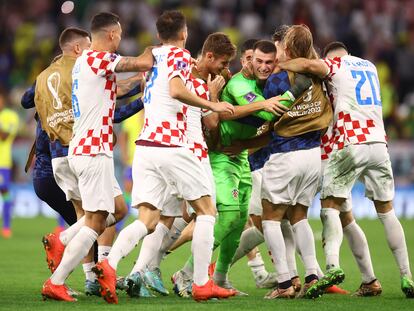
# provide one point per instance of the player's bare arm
(140, 63)
(181, 93)
(126, 85)
(313, 66)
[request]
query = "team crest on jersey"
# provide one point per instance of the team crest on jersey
(235, 193)
(112, 57)
(250, 97)
(181, 65)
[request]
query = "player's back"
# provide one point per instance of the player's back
(354, 88)
(165, 117)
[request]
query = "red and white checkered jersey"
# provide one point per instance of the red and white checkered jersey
(195, 136)
(354, 90)
(327, 143)
(93, 103)
(165, 117)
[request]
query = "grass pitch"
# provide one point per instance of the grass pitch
(23, 271)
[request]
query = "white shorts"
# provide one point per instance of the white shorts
(255, 205)
(292, 177)
(209, 172)
(65, 178)
(96, 182)
(163, 170)
(370, 163)
(346, 206)
(172, 206)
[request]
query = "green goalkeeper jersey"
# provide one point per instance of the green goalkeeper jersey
(240, 91)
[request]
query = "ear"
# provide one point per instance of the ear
(210, 56)
(112, 34)
(77, 49)
(286, 52)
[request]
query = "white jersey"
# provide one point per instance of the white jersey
(354, 90)
(196, 141)
(93, 103)
(165, 117)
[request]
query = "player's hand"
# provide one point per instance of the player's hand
(274, 106)
(222, 107)
(247, 71)
(215, 86)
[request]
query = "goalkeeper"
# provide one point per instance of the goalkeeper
(232, 173)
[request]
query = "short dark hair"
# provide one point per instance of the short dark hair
(70, 34)
(102, 20)
(248, 45)
(265, 46)
(169, 24)
(219, 44)
(279, 33)
(335, 45)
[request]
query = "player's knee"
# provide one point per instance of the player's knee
(383, 206)
(346, 218)
(121, 208)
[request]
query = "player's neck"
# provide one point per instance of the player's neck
(69, 54)
(177, 43)
(202, 69)
(101, 47)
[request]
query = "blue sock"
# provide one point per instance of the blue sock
(7, 210)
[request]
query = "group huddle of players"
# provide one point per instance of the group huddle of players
(227, 161)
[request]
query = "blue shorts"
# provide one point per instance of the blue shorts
(128, 173)
(5, 178)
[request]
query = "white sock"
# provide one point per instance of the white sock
(150, 247)
(128, 238)
(276, 244)
(290, 247)
(332, 236)
(359, 247)
(87, 269)
(257, 266)
(320, 273)
(68, 234)
(306, 245)
(249, 239)
(110, 220)
(396, 240)
(103, 251)
(188, 268)
(178, 226)
(77, 248)
(202, 247)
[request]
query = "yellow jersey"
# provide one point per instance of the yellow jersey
(132, 127)
(9, 123)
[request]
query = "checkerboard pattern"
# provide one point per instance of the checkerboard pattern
(170, 134)
(100, 62)
(346, 131)
(178, 62)
(199, 151)
(97, 141)
(333, 64)
(201, 88)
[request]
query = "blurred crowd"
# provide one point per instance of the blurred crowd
(379, 30)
